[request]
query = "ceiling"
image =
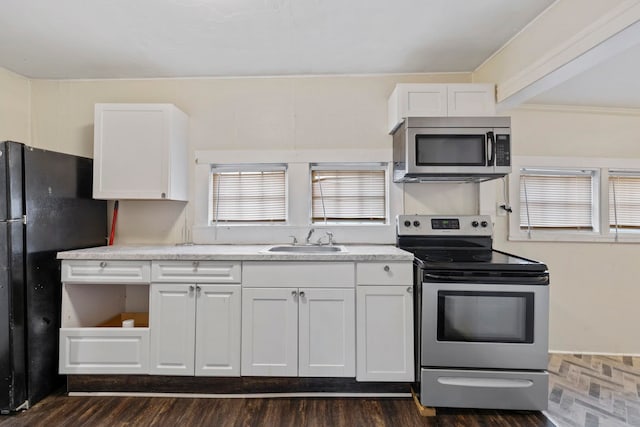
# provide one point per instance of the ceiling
(613, 83)
(80, 39)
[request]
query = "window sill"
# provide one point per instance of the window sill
(574, 237)
(279, 233)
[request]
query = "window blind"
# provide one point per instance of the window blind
(348, 195)
(248, 195)
(624, 200)
(556, 199)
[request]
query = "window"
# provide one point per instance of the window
(248, 194)
(348, 193)
(575, 199)
(557, 199)
(624, 200)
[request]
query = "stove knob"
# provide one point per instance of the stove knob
(407, 223)
(484, 223)
(474, 223)
(416, 223)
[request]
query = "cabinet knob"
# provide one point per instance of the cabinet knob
(410, 289)
(294, 293)
(163, 195)
(387, 268)
(191, 289)
(103, 264)
(195, 265)
(198, 290)
(301, 294)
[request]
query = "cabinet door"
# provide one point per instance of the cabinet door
(327, 332)
(269, 332)
(218, 330)
(140, 152)
(471, 100)
(172, 329)
(385, 333)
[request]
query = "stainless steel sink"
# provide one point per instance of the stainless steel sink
(307, 249)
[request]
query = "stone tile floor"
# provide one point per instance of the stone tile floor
(594, 390)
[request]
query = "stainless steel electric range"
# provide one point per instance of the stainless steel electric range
(481, 316)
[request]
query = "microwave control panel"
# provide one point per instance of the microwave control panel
(503, 150)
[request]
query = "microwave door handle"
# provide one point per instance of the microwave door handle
(491, 148)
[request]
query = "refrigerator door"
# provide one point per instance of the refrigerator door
(3, 181)
(11, 206)
(13, 391)
(61, 215)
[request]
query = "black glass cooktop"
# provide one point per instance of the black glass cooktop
(464, 259)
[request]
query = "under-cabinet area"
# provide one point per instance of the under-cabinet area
(339, 315)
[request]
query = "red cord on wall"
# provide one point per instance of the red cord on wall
(113, 223)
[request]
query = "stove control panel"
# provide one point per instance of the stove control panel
(434, 225)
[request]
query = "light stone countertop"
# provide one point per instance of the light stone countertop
(234, 253)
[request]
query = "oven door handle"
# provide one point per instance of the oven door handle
(537, 280)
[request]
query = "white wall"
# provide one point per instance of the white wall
(14, 107)
(595, 287)
(299, 113)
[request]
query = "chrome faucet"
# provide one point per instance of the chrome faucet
(330, 236)
(306, 241)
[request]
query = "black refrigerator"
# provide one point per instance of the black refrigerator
(46, 206)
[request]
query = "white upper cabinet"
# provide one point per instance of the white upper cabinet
(140, 152)
(471, 99)
(439, 100)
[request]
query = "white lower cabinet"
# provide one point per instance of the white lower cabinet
(104, 350)
(227, 318)
(194, 329)
(385, 333)
(96, 297)
(298, 332)
(385, 339)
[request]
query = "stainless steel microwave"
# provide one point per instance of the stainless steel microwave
(452, 149)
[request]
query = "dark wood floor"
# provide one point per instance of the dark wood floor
(61, 410)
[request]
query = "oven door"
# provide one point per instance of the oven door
(494, 326)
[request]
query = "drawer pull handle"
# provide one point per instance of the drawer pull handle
(387, 268)
(103, 264)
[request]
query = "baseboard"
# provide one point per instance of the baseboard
(226, 385)
(594, 353)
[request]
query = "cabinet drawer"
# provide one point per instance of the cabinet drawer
(384, 273)
(106, 271)
(196, 271)
(104, 351)
(299, 274)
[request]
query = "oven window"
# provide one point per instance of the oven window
(450, 150)
(500, 317)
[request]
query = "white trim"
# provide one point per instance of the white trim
(613, 33)
(614, 111)
(299, 198)
(274, 76)
(233, 396)
(602, 232)
(292, 156)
